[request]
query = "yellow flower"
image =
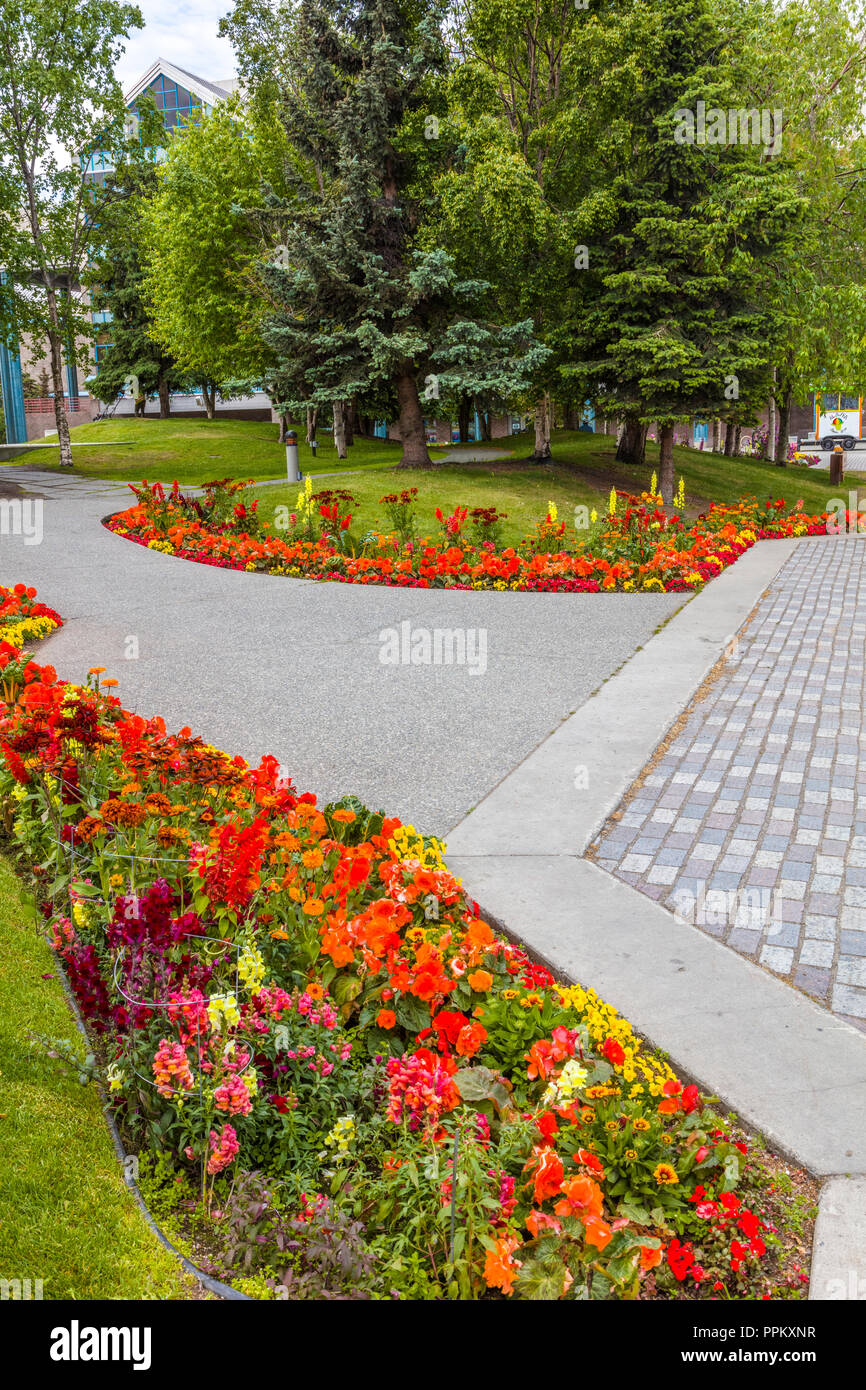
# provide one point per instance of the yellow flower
(551, 511)
(665, 1175)
(611, 506)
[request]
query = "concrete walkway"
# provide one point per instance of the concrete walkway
(263, 664)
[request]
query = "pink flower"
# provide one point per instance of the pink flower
(225, 1149)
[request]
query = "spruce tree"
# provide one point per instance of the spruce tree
(357, 299)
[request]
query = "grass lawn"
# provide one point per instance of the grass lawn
(583, 470)
(582, 473)
(195, 450)
(65, 1215)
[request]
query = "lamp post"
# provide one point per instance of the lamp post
(292, 469)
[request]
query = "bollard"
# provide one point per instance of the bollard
(836, 465)
(292, 469)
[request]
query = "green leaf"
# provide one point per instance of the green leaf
(346, 988)
(477, 1084)
(541, 1280)
(412, 1014)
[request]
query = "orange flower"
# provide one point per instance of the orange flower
(538, 1221)
(548, 1175)
(471, 1039)
(581, 1197)
(598, 1233)
(649, 1257)
(386, 1018)
(500, 1269)
(315, 991)
(478, 933)
(313, 907)
(480, 981)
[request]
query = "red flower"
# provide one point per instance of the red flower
(547, 1126)
(613, 1052)
(690, 1099)
(680, 1258)
(548, 1175)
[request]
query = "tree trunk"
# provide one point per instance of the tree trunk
(349, 421)
(784, 425)
(464, 414)
(628, 443)
(484, 421)
(729, 439)
(55, 347)
(571, 418)
(208, 392)
(164, 398)
(312, 423)
(339, 429)
(632, 444)
(717, 436)
(770, 450)
(738, 431)
(412, 437)
(284, 425)
(542, 453)
(666, 464)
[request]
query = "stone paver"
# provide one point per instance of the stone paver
(752, 822)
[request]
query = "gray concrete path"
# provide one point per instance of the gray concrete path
(263, 664)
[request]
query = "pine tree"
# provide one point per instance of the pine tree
(357, 299)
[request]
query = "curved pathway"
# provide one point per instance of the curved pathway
(262, 664)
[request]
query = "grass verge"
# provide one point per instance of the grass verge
(65, 1215)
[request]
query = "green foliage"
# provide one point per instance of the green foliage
(197, 285)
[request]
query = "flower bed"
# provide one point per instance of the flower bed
(22, 619)
(340, 1081)
(635, 546)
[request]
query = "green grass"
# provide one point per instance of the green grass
(195, 450)
(582, 473)
(583, 470)
(65, 1215)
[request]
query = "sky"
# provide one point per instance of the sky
(184, 32)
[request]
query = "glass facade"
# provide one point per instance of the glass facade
(179, 108)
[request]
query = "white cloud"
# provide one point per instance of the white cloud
(185, 33)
